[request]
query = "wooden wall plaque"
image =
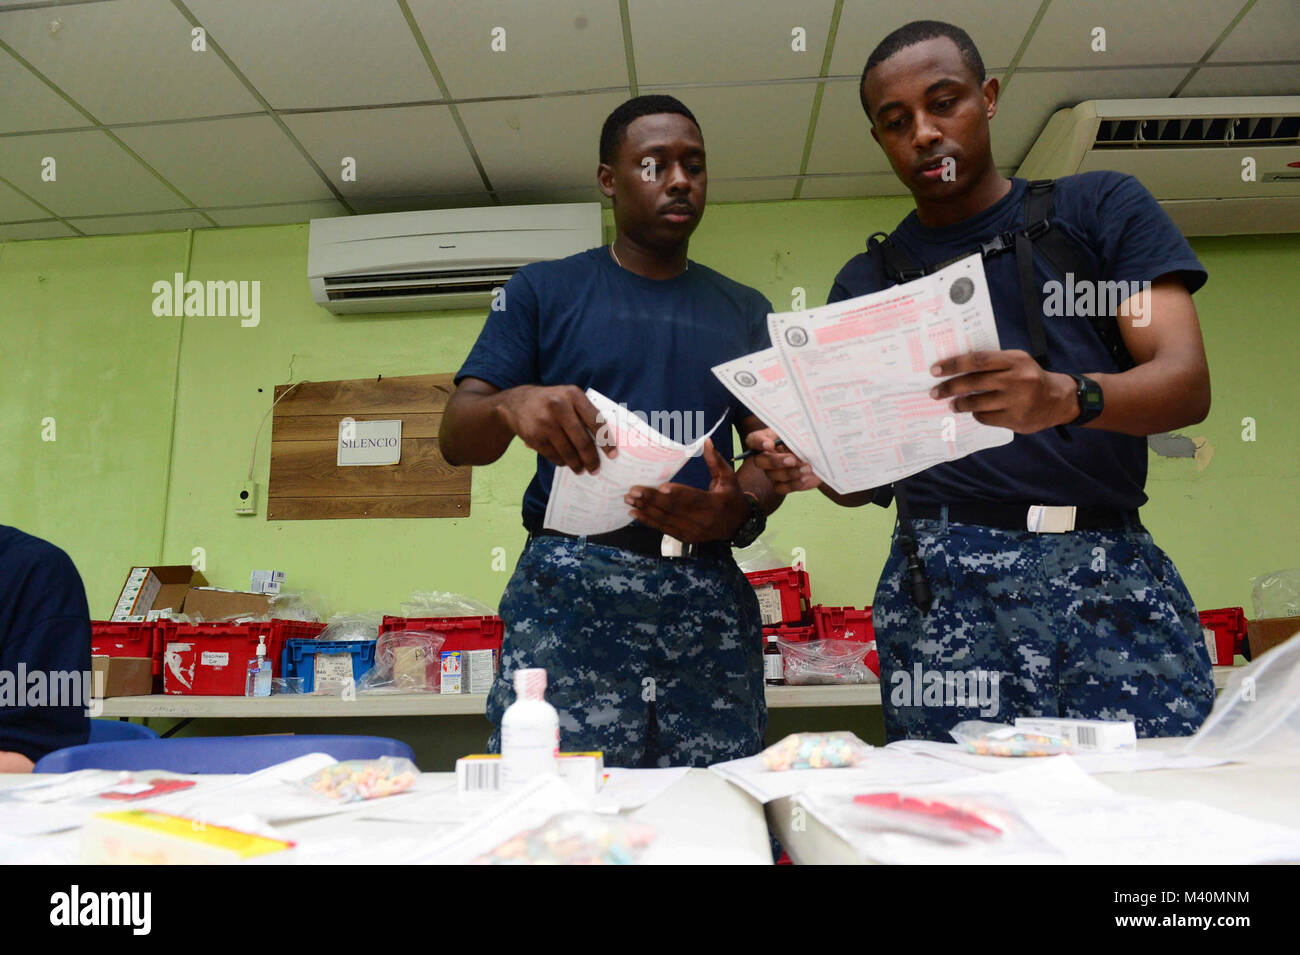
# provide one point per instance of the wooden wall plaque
(306, 481)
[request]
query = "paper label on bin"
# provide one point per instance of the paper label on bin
(333, 669)
(213, 658)
(769, 604)
(1211, 645)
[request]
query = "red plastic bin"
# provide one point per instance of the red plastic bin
(796, 634)
(1229, 626)
(113, 639)
(299, 629)
(211, 659)
(462, 633)
(784, 595)
(848, 623)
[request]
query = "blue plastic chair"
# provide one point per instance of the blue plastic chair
(111, 731)
(215, 754)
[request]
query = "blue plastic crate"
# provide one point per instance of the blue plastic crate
(299, 657)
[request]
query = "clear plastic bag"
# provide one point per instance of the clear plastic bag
(352, 626)
(826, 662)
(305, 605)
(354, 780)
(815, 751)
(1276, 594)
(440, 603)
(999, 739)
(758, 556)
(406, 661)
(575, 838)
(1258, 712)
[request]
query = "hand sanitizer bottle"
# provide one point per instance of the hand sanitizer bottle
(530, 731)
(262, 675)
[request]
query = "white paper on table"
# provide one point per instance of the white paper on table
(882, 769)
(1086, 823)
(861, 370)
(633, 788)
(759, 381)
(525, 808)
(586, 504)
(1093, 764)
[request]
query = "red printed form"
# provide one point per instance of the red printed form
(860, 372)
(760, 383)
(586, 504)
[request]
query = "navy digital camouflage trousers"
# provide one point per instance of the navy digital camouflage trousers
(1084, 624)
(653, 661)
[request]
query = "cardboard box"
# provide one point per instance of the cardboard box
(1268, 632)
(155, 588)
(211, 603)
(266, 581)
(122, 676)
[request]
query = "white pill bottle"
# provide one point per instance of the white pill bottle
(530, 731)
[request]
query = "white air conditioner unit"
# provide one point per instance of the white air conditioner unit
(1191, 154)
(447, 258)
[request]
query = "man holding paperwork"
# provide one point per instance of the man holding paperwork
(1024, 567)
(627, 593)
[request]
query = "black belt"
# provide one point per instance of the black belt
(636, 538)
(1014, 517)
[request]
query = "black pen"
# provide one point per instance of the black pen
(780, 446)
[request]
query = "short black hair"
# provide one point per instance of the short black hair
(614, 131)
(918, 31)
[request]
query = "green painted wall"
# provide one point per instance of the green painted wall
(83, 347)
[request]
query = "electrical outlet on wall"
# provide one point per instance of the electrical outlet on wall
(246, 497)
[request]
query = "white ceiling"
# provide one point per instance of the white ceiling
(150, 135)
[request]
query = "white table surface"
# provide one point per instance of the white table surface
(700, 814)
(1268, 790)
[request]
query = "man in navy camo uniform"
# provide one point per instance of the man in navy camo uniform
(1089, 619)
(654, 660)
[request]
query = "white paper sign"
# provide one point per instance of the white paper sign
(366, 443)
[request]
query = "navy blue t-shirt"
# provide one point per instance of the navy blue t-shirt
(646, 343)
(1124, 234)
(45, 626)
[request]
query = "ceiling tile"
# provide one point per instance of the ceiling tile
(1137, 34)
(842, 141)
(15, 206)
(127, 61)
(405, 150)
(156, 222)
(543, 196)
(28, 104)
(228, 162)
(1268, 32)
(277, 215)
(752, 130)
(1244, 81)
(553, 141)
(686, 41)
(381, 204)
(551, 47)
(317, 53)
(49, 229)
(751, 190)
(996, 27)
(833, 187)
(95, 176)
(1032, 98)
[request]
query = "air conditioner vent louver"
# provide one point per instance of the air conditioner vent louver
(438, 259)
(1174, 133)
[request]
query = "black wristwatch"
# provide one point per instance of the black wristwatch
(754, 524)
(1088, 394)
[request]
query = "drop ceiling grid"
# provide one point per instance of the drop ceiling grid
(315, 74)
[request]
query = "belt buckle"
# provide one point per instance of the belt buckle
(1050, 518)
(670, 546)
